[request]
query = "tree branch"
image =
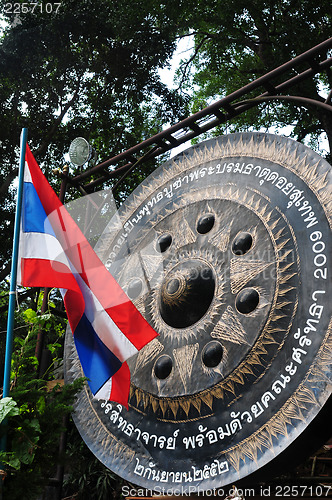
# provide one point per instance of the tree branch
(5, 271)
(21, 297)
(190, 60)
(43, 147)
(8, 180)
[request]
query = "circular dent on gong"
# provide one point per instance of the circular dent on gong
(247, 300)
(205, 223)
(164, 242)
(242, 243)
(163, 367)
(134, 288)
(186, 293)
(212, 354)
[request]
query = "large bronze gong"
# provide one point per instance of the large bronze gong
(225, 250)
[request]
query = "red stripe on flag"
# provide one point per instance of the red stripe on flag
(55, 274)
(75, 305)
(51, 273)
(121, 385)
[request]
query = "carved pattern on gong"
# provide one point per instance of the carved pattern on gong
(221, 238)
(242, 271)
(150, 351)
(230, 328)
(286, 269)
(294, 409)
(185, 357)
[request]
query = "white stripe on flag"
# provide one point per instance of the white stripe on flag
(42, 246)
(27, 175)
(105, 391)
(108, 332)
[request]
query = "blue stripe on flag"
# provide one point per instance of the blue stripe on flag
(98, 362)
(34, 218)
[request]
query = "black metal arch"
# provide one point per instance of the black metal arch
(300, 101)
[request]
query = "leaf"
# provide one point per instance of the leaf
(41, 405)
(30, 316)
(34, 424)
(24, 451)
(53, 347)
(8, 408)
(11, 460)
(46, 316)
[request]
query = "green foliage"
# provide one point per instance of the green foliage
(237, 42)
(33, 417)
(87, 478)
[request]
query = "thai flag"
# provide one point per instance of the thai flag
(53, 252)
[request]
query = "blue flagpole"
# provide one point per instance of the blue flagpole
(12, 291)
